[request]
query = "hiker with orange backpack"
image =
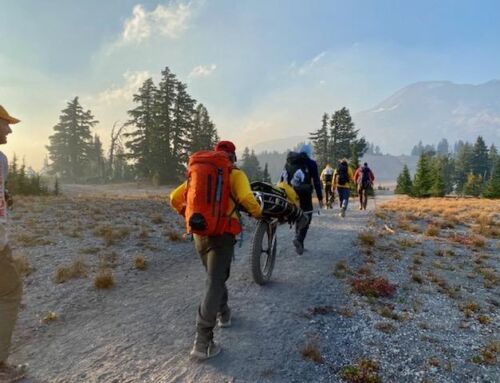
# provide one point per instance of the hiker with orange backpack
(363, 178)
(209, 201)
(342, 178)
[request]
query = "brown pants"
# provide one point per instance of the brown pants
(216, 254)
(11, 288)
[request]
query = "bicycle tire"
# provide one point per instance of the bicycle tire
(264, 232)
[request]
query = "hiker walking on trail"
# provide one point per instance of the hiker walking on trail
(209, 202)
(342, 179)
(10, 281)
(327, 180)
(364, 178)
(301, 172)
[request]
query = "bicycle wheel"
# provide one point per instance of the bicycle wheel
(263, 254)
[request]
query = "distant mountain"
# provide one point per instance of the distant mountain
(430, 111)
(279, 145)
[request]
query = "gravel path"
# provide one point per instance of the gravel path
(142, 329)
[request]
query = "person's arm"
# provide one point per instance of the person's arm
(240, 188)
(334, 180)
(313, 168)
(372, 176)
(357, 174)
(351, 177)
(177, 200)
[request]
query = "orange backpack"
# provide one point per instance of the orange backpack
(207, 193)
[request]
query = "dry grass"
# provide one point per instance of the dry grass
(157, 218)
(373, 287)
(341, 269)
(473, 212)
(386, 327)
(78, 269)
(23, 265)
(104, 279)
(364, 371)
(111, 235)
(140, 262)
(432, 230)
(51, 316)
(311, 351)
(174, 235)
(366, 239)
(27, 239)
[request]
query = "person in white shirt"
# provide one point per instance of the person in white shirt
(10, 280)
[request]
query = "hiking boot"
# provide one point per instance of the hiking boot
(224, 321)
(361, 208)
(299, 247)
(204, 351)
(12, 372)
(342, 212)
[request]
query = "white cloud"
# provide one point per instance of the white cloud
(202, 71)
(165, 20)
(310, 63)
(133, 81)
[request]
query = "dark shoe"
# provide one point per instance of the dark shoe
(204, 351)
(342, 212)
(299, 247)
(224, 321)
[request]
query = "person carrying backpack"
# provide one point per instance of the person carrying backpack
(301, 172)
(364, 178)
(327, 180)
(342, 177)
(209, 201)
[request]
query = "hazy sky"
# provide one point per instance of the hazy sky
(265, 69)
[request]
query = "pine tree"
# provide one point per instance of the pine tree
(463, 165)
(342, 134)
(443, 147)
(422, 182)
(250, 165)
(71, 143)
(480, 160)
(404, 184)
(438, 188)
(473, 185)
(161, 145)
(320, 140)
(266, 177)
(492, 189)
(143, 119)
(492, 158)
(203, 134)
(182, 122)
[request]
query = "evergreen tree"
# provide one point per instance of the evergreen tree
(417, 149)
(423, 180)
(404, 184)
(473, 185)
(97, 166)
(342, 134)
(162, 157)
(492, 189)
(320, 140)
(463, 165)
(480, 160)
(143, 119)
(443, 147)
(492, 158)
(182, 123)
(203, 134)
(250, 165)
(70, 145)
(266, 177)
(438, 188)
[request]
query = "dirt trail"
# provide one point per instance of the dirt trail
(143, 328)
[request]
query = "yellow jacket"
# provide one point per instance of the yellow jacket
(240, 191)
(346, 185)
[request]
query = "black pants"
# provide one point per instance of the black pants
(301, 229)
(329, 196)
(216, 254)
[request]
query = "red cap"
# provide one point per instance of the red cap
(225, 146)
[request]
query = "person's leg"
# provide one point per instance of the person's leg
(339, 191)
(10, 298)
(327, 196)
(360, 194)
(216, 254)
